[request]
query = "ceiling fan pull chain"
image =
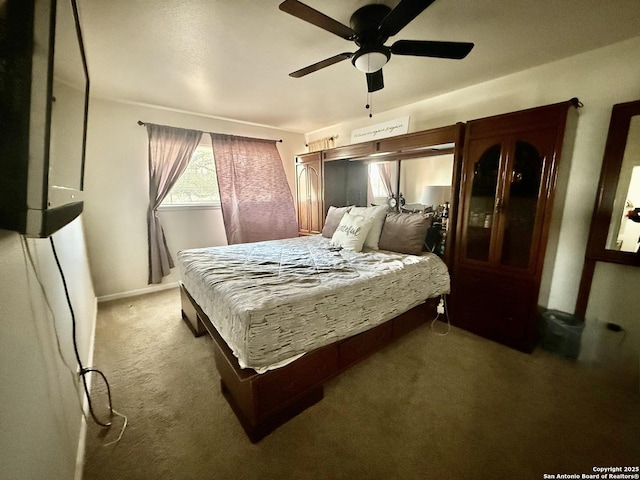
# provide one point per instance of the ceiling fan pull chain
(369, 105)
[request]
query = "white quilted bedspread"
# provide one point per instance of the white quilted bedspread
(273, 301)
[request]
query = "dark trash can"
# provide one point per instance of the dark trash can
(560, 333)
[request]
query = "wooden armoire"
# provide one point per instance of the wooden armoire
(309, 186)
(510, 165)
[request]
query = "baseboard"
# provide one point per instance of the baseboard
(141, 291)
(81, 450)
(82, 440)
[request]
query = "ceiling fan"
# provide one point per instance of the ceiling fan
(370, 27)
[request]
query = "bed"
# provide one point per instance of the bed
(287, 315)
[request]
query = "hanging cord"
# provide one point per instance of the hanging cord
(442, 309)
(29, 257)
(83, 370)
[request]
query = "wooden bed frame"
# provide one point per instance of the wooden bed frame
(263, 402)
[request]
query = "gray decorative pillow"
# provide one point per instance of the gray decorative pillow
(334, 215)
(404, 232)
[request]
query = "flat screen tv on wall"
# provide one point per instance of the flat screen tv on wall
(44, 93)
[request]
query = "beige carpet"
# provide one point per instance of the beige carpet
(427, 407)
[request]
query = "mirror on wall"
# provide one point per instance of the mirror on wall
(624, 227)
(615, 226)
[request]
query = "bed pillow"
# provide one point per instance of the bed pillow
(351, 232)
(331, 222)
(404, 232)
(378, 214)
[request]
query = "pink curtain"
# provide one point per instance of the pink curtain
(170, 150)
(256, 200)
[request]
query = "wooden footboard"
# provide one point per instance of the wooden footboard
(262, 402)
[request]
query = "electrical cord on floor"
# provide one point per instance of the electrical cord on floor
(442, 309)
(83, 371)
(124, 426)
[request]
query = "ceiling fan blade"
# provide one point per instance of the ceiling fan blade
(317, 66)
(402, 15)
(426, 48)
(375, 81)
(308, 14)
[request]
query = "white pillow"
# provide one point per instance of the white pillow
(351, 232)
(378, 215)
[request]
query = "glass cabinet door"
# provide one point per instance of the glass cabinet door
(519, 204)
(505, 200)
(483, 176)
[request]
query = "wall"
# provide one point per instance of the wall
(600, 79)
(614, 299)
(117, 192)
(40, 410)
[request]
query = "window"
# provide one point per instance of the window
(198, 185)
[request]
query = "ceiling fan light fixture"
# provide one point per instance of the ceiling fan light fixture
(370, 27)
(370, 61)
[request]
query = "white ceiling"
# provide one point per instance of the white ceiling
(231, 58)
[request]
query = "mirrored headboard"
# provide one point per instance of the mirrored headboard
(416, 171)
